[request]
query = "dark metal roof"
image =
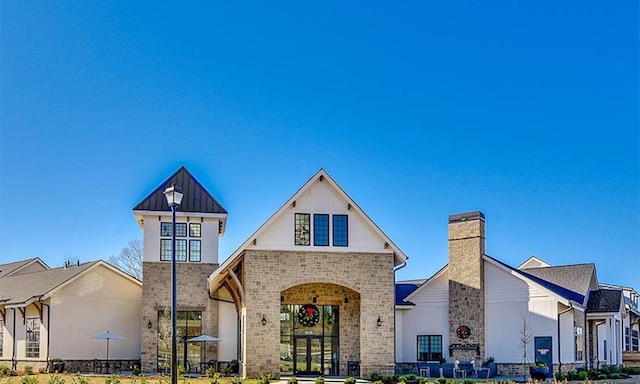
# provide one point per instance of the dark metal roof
(604, 300)
(196, 198)
(561, 291)
(403, 290)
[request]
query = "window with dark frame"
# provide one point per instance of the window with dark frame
(194, 229)
(181, 250)
(33, 337)
(321, 229)
(194, 250)
(579, 344)
(429, 347)
(340, 230)
(165, 250)
(302, 229)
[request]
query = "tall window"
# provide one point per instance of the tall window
(321, 229)
(194, 230)
(429, 347)
(33, 337)
(579, 348)
(302, 232)
(340, 230)
(189, 326)
(1, 335)
(634, 340)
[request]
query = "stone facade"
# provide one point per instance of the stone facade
(466, 284)
(192, 296)
(270, 273)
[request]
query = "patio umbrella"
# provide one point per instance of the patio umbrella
(108, 336)
(204, 338)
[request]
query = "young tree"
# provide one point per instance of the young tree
(524, 340)
(130, 259)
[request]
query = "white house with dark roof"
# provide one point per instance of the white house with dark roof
(49, 313)
(572, 322)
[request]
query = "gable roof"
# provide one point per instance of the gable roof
(14, 267)
(576, 277)
(399, 256)
(195, 199)
(20, 290)
(533, 262)
(404, 289)
(605, 300)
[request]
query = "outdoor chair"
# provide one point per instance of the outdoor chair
(435, 369)
(467, 367)
(448, 370)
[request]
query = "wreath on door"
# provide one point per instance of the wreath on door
(309, 315)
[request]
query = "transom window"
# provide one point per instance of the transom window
(322, 234)
(194, 249)
(429, 347)
(33, 336)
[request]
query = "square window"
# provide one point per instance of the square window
(165, 250)
(340, 230)
(194, 250)
(194, 229)
(302, 232)
(165, 229)
(321, 230)
(181, 250)
(181, 229)
(429, 347)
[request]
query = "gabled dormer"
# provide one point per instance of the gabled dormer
(200, 221)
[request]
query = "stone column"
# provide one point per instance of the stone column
(466, 285)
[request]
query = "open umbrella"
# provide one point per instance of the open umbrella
(108, 336)
(204, 338)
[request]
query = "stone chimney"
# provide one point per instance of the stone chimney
(466, 286)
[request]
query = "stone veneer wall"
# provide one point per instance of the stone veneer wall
(466, 283)
(268, 273)
(192, 295)
(332, 294)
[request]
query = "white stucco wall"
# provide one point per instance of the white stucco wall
(209, 236)
(227, 331)
(100, 300)
(430, 316)
(322, 199)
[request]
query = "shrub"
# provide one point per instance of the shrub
(406, 378)
(135, 371)
(211, 371)
(236, 380)
(422, 380)
(378, 382)
(29, 380)
(442, 380)
(293, 380)
(320, 380)
(631, 370)
(349, 380)
(113, 379)
(264, 378)
(614, 376)
(560, 376)
(4, 370)
(375, 376)
(213, 378)
(388, 379)
(181, 370)
(602, 376)
(80, 380)
(28, 370)
(582, 375)
(55, 379)
(467, 381)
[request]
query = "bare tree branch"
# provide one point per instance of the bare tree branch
(130, 259)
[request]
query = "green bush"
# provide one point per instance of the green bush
(29, 380)
(442, 380)
(181, 370)
(4, 370)
(319, 380)
(80, 380)
(236, 380)
(135, 371)
(293, 380)
(214, 378)
(211, 371)
(406, 378)
(602, 376)
(389, 379)
(264, 378)
(375, 376)
(378, 382)
(28, 370)
(422, 380)
(560, 376)
(468, 381)
(631, 370)
(113, 379)
(349, 380)
(55, 379)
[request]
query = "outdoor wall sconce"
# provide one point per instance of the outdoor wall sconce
(379, 322)
(149, 325)
(315, 300)
(264, 320)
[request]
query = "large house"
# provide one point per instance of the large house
(54, 313)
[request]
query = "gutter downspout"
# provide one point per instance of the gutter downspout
(559, 338)
(395, 269)
(48, 326)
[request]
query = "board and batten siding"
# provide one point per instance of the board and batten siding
(321, 199)
(430, 316)
(208, 237)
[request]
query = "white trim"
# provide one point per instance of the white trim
(543, 263)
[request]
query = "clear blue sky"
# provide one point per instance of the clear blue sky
(525, 110)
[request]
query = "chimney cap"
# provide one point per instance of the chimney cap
(460, 217)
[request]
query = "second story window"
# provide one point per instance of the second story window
(193, 230)
(321, 230)
(302, 231)
(340, 230)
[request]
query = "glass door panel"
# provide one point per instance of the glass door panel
(315, 355)
(301, 355)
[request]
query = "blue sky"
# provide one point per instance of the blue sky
(527, 111)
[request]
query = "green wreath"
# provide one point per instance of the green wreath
(308, 315)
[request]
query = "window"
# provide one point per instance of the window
(194, 250)
(181, 250)
(165, 229)
(634, 340)
(33, 337)
(321, 230)
(1, 335)
(429, 347)
(189, 325)
(302, 230)
(340, 230)
(194, 230)
(181, 229)
(627, 339)
(165, 250)
(579, 347)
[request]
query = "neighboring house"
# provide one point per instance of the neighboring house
(310, 292)
(48, 313)
(478, 307)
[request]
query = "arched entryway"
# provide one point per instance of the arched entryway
(319, 329)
